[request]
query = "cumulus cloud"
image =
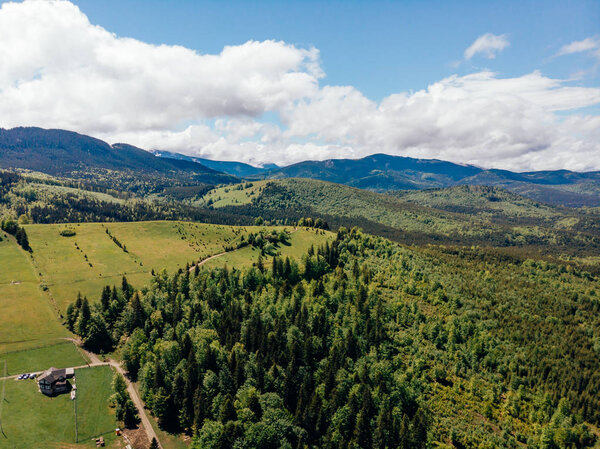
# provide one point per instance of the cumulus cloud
(57, 67)
(488, 45)
(261, 102)
(478, 118)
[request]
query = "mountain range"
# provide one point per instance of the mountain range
(382, 172)
(66, 153)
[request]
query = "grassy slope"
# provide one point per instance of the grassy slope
(31, 419)
(27, 318)
(300, 241)
(60, 355)
(150, 245)
(229, 196)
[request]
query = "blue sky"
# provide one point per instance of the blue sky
(379, 47)
(511, 84)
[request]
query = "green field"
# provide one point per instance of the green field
(60, 355)
(232, 196)
(27, 319)
(91, 259)
(32, 420)
(300, 241)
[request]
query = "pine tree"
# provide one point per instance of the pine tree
(105, 298)
(228, 412)
(84, 319)
(126, 288)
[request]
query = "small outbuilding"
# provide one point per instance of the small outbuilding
(55, 381)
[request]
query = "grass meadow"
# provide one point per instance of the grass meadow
(61, 354)
(300, 241)
(91, 258)
(27, 319)
(233, 195)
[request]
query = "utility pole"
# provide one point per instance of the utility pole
(75, 405)
(2, 396)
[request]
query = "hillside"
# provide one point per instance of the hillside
(381, 172)
(369, 344)
(461, 215)
(97, 254)
(66, 153)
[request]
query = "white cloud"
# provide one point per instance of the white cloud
(489, 45)
(479, 119)
(590, 44)
(59, 69)
(261, 101)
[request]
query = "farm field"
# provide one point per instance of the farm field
(27, 319)
(63, 354)
(32, 420)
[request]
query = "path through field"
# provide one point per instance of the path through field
(202, 262)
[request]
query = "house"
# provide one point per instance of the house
(54, 381)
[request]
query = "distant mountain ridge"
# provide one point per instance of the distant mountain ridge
(382, 172)
(240, 169)
(66, 153)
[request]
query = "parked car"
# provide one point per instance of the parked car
(32, 375)
(21, 377)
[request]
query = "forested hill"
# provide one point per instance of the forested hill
(383, 172)
(462, 215)
(66, 153)
(364, 344)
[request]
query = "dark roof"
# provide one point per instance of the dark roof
(52, 375)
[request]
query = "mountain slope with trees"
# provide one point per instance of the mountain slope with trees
(364, 344)
(382, 172)
(69, 154)
(460, 215)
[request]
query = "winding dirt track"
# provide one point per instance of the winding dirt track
(214, 256)
(135, 398)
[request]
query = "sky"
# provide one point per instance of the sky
(503, 84)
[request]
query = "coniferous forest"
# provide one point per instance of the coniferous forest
(363, 344)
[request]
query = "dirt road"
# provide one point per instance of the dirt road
(199, 264)
(133, 394)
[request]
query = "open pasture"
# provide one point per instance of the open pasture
(27, 319)
(99, 254)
